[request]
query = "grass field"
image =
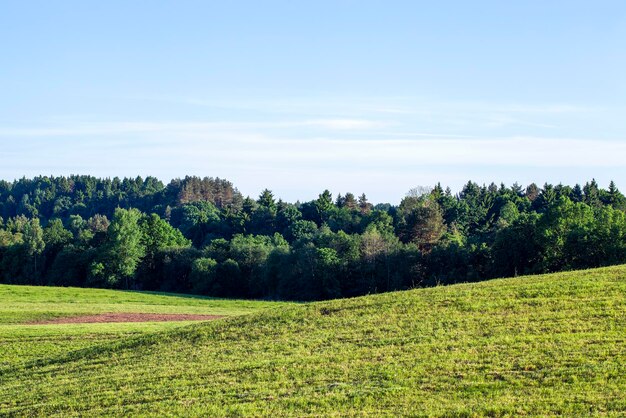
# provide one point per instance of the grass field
(21, 343)
(540, 346)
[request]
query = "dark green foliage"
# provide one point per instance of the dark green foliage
(200, 235)
(170, 271)
(301, 229)
(69, 267)
(197, 221)
(203, 277)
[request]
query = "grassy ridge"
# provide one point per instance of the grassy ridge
(20, 304)
(542, 345)
(21, 343)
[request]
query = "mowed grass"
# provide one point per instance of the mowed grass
(529, 346)
(21, 342)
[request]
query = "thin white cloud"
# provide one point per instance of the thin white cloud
(344, 124)
(299, 167)
(399, 105)
(504, 120)
(384, 152)
(119, 128)
(357, 141)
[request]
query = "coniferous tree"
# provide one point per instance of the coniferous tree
(364, 206)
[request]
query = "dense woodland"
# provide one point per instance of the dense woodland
(202, 236)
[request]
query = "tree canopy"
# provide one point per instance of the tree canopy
(201, 235)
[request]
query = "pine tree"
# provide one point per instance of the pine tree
(364, 205)
(266, 199)
(323, 205)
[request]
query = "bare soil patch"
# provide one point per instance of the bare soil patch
(126, 317)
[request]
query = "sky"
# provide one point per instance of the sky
(372, 97)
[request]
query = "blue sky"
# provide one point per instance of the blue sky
(362, 96)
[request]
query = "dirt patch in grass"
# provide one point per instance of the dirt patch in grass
(126, 317)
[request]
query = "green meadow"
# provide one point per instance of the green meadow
(528, 346)
(21, 342)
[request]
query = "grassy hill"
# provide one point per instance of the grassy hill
(21, 342)
(541, 345)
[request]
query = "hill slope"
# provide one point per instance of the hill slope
(541, 345)
(20, 306)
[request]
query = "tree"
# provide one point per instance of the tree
(266, 199)
(69, 267)
(592, 193)
(547, 197)
(424, 225)
(251, 253)
(125, 246)
(340, 201)
(327, 266)
(516, 248)
(577, 194)
(508, 214)
(555, 227)
(350, 201)
(286, 217)
(34, 242)
(532, 192)
(203, 277)
(231, 282)
(323, 205)
(301, 229)
(197, 220)
(364, 206)
(55, 235)
(614, 197)
(158, 234)
(377, 248)
(472, 209)
(264, 217)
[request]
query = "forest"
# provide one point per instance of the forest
(202, 236)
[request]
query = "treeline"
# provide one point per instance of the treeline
(202, 236)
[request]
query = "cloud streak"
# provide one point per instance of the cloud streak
(384, 152)
(183, 128)
(329, 140)
(298, 158)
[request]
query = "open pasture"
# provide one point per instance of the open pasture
(26, 335)
(528, 346)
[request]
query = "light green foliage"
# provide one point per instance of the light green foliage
(382, 221)
(508, 214)
(55, 235)
(529, 346)
(33, 237)
(158, 234)
(125, 246)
